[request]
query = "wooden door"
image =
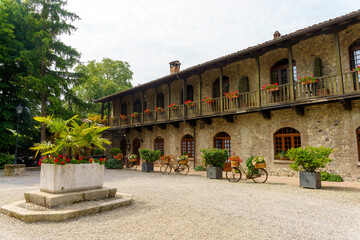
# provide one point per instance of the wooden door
(123, 146)
(223, 141)
(136, 146)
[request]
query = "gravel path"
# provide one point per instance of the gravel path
(193, 207)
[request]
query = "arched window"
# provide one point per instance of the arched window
(280, 72)
(358, 141)
(159, 144)
(160, 100)
(222, 140)
(355, 59)
(123, 109)
(187, 145)
(216, 86)
(286, 138)
(189, 96)
(137, 106)
(244, 84)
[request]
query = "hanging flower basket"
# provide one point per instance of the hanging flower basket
(135, 115)
(159, 109)
(147, 111)
(190, 103)
(232, 95)
(123, 117)
(271, 87)
(208, 100)
(308, 80)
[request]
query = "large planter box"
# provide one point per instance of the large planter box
(147, 167)
(214, 172)
(310, 180)
(71, 177)
(14, 169)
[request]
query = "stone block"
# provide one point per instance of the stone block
(36, 198)
(53, 200)
(112, 192)
(96, 194)
(14, 169)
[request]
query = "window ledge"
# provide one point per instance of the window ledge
(282, 161)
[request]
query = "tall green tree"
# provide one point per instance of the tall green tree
(49, 60)
(99, 79)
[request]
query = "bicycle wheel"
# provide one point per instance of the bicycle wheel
(234, 175)
(165, 169)
(259, 175)
(183, 169)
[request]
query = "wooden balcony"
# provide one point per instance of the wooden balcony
(327, 89)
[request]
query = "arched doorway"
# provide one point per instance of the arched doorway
(222, 140)
(123, 146)
(136, 147)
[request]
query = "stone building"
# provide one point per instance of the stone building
(258, 121)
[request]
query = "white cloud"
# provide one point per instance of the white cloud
(150, 34)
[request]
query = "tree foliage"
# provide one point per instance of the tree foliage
(112, 75)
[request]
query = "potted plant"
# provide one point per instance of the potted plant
(271, 87)
(66, 164)
(147, 111)
(123, 117)
(134, 115)
(159, 110)
(149, 157)
(232, 95)
(208, 100)
(173, 106)
(308, 80)
(357, 69)
(190, 103)
(281, 155)
(214, 160)
(235, 160)
(306, 161)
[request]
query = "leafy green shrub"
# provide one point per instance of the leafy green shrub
(310, 158)
(200, 168)
(98, 151)
(249, 164)
(115, 151)
(329, 177)
(214, 157)
(6, 158)
(149, 156)
(114, 164)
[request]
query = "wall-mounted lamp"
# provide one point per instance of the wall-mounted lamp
(128, 146)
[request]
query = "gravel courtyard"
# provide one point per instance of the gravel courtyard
(194, 207)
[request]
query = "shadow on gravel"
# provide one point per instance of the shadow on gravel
(340, 189)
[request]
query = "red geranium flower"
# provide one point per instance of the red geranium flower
(60, 156)
(62, 162)
(56, 160)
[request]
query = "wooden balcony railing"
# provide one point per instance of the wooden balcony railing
(326, 86)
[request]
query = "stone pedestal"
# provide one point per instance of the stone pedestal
(14, 169)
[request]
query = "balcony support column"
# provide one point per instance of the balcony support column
(102, 111)
(338, 63)
(291, 74)
(120, 121)
(169, 99)
(132, 107)
(155, 103)
(257, 80)
(142, 106)
(108, 116)
(221, 90)
(199, 96)
(184, 97)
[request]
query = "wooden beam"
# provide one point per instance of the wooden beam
(162, 126)
(175, 124)
(155, 103)
(120, 121)
(229, 118)
(108, 115)
(184, 97)
(142, 106)
(298, 109)
(138, 129)
(192, 122)
(266, 114)
(346, 104)
(338, 62)
(199, 96)
(206, 120)
(149, 127)
(257, 81)
(291, 73)
(169, 99)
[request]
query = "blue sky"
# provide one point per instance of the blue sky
(149, 34)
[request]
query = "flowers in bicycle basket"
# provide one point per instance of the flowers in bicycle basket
(189, 103)
(183, 157)
(165, 158)
(147, 111)
(123, 117)
(119, 156)
(208, 100)
(235, 158)
(159, 109)
(132, 157)
(308, 80)
(173, 106)
(232, 95)
(258, 159)
(135, 115)
(357, 69)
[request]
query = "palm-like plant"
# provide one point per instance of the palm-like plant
(70, 137)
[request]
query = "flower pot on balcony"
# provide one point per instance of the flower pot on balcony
(272, 89)
(71, 177)
(310, 180)
(307, 82)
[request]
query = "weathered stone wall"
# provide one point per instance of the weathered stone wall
(322, 125)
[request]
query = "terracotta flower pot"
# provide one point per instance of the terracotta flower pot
(272, 89)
